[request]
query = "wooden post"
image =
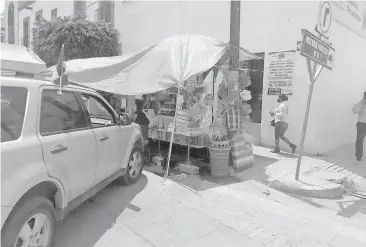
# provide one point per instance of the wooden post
(234, 33)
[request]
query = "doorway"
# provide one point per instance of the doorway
(255, 68)
(26, 29)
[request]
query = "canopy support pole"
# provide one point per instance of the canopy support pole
(172, 136)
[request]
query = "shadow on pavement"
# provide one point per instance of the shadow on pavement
(344, 157)
(205, 181)
(84, 226)
(358, 206)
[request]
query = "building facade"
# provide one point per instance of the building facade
(272, 26)
(20, 16)
(2, 28)
(266, 27)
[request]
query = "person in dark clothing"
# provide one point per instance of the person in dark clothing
(360, 110)
(143, 121)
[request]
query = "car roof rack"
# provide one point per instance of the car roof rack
(10, 73)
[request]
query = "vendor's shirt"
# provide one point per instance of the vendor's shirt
(281, 113)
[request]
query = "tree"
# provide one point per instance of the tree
(82, 39)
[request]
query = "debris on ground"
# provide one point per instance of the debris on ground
(178, 177)
(189, 169)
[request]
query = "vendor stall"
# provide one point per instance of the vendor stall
(193, 98)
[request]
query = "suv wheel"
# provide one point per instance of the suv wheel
(134, 167)
(32, 224)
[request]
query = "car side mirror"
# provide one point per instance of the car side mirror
(124, 119)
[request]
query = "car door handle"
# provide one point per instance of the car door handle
(58, 149)
(104, 138)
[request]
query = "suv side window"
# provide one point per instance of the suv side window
(13, 105)
(99, 112)
(60, 113)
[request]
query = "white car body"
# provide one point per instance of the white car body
(71, 165)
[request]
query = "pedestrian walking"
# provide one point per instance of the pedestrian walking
(281, 123)
(360, 109)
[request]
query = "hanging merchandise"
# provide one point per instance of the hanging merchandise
(233, 119)
(244, 109)
(231, 93)
(209, 99)
(247, 109)
(246, 95)
(241, 151)
(233, 76)
(222, 93)
(198, 112)
(244, 79)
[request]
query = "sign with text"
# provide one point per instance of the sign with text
(317, 50)
(274, 91)
(281, 72)
(351, 14)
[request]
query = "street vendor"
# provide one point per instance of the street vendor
(198, 112)
(142, 120)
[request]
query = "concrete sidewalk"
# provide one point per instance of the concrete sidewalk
(318, 178)
(172, 215)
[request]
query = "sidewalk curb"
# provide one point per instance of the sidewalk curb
(307, 186)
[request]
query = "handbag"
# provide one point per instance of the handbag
(273, 123)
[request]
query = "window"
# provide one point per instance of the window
(106, 11)
(80, 8)
(60, 113)
(13, 105)
(53, 14)
(38, 16)
(100, 114)
(26, 30)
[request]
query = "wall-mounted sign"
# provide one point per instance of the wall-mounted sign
(274, 91)
(351, 14)
(316, 50)
(281, 72)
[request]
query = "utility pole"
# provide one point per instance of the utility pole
(234, 34)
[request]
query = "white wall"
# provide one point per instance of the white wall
(64, 8)
(331, 122)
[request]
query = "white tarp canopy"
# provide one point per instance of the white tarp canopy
(156, 68)
(20, 59)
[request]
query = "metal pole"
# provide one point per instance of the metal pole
(172, 136)
(189, 149)
(310, 94)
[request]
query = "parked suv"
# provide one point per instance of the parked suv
(57, 150)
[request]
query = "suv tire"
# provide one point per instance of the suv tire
(134, 167)
(37, 210)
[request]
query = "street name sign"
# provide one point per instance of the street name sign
(317, 50)
(319, 54)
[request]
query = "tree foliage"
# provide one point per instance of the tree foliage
(82, 39)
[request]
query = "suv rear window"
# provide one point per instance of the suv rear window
(13, 104)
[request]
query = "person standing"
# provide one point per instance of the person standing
(142, 120)
(281, 123)
(360, 109)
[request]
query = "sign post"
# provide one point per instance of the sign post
(318, 55)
